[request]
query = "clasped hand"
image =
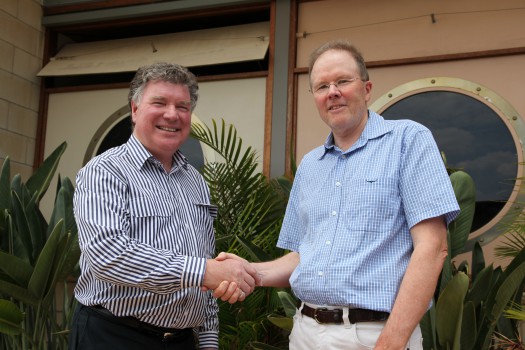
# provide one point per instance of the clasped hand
(231, 277)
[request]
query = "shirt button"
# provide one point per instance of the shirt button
(320, 273)
(334, 213)
(328, 242)
(337, 184)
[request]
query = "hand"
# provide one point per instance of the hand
(230, 270)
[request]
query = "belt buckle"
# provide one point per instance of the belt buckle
(167, 336)
(315, 314)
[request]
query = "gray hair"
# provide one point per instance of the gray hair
(162, 71)
(341, 45)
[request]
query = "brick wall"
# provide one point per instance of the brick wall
(21, 48)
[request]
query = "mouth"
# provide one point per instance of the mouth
(164, 128)
(335, 107)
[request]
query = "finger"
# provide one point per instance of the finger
(221, 289)
(242, 295)
(232, 288)
(236, 296)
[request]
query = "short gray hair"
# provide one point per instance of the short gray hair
(162, 71)
(341, 45)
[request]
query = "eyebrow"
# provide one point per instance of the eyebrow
(162, 98)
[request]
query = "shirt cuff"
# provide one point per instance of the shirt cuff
(208, 340)
(193, 274)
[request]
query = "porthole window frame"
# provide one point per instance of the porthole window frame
(510, 117)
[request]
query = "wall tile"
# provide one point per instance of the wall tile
(4, 110)
(26, 66)
(30, 12)
(22, 121)
(7, 53)
(15, 89)
(13, 145)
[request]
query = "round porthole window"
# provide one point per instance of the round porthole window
(478, 132)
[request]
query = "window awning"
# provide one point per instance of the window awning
(195, 48)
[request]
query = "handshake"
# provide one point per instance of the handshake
(231, 277)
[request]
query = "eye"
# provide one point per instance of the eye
(344, 82)
(322, 88)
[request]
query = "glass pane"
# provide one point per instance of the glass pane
(473, 138)
(121, 132)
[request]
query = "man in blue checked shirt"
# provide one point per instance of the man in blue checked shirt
(366, 220)
(145, 227)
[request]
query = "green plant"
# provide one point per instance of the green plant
(36, 257)
(471, 300)
(250, 211)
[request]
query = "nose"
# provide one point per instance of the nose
(171, 111)
(335, 89)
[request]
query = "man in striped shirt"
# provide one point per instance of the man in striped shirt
(366, 220)
(146, 231)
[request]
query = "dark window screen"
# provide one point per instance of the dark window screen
(473, 138)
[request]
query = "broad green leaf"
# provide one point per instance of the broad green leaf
(288, 302)
(5, 191)
(18, 293)
(18, 269)
(465, 192)
(10, 318)
(478, 260)
(39, 282)
(449, 311)
(23, 230)
(481, 286)
(285, 323)
(468, 328)
(39, 182)
(428, 328)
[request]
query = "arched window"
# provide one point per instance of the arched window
(478, 132)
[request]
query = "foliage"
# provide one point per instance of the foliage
(251, 208)
(35, 257)
(469, 312)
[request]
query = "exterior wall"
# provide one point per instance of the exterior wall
(21, 49)
(405, 31)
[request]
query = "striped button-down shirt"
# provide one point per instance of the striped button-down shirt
(350, 213)
(145, 236)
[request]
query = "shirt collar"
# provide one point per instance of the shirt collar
(375, 127)
(142, 155)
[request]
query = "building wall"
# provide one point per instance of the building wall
(21, 49)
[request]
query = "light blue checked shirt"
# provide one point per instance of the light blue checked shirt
(145, 236)
(349, 213)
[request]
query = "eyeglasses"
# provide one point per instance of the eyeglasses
(340, 84)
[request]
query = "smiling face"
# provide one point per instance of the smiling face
(344, 108)
(162, 119)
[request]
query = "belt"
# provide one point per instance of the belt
(165, 334)
(335, 316)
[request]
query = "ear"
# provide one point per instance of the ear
(368, 90)
(133, 110)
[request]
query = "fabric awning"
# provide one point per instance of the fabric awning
(195, 48)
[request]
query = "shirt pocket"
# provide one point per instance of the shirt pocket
(209, 209)
(374, 204)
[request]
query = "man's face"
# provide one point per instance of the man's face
(343, 108)
(163, 118)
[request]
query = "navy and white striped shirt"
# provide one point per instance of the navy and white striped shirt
(145, 236)
(350, 213)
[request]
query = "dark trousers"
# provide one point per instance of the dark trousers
(93, 331)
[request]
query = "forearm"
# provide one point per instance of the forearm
(276, 273)
(416, 290)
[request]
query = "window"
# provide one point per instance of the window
(477, 131)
